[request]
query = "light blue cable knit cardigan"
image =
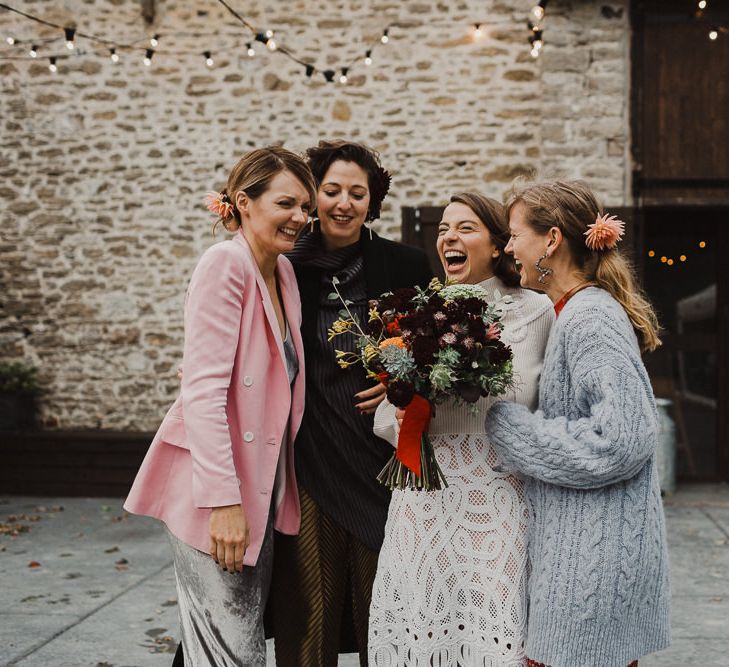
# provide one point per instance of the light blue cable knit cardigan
(599, 593)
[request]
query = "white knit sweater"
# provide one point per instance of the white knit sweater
(527, 320)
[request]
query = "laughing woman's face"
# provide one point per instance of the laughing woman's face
(342, 203)
(526, 246)
(464, 245)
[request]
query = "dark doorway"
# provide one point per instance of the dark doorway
(685, 278)
(680, 147)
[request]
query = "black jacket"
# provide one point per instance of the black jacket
(387, 266)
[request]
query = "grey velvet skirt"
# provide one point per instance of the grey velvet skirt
(221, 613)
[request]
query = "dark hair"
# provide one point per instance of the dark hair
(493, 215)
(254, 172)
(325, 153)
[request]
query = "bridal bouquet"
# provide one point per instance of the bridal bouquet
(427, 346)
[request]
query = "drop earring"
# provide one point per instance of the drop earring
(544, 271)
(368, 224)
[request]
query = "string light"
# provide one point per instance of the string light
(477, 32)
(670, 261)
(536, 39)
(538, 10)
(33, 51)
(266, 37)
(52, 64)
(343, 76)
(70, 33)
(713, 34)
(208, 58)
(702, 4)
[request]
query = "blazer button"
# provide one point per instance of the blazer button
(247, 380)
(248, 436)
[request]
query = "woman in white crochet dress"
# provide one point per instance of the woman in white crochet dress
(450, 589)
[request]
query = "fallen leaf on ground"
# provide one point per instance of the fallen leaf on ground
(34, 563)
(111, 550)
(717, 599)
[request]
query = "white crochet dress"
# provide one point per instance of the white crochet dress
(450, 589)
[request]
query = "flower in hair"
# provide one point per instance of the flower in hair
(604, 233)
(219, 203)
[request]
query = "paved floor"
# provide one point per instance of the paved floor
(84, 585)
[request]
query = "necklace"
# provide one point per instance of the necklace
(568, 295)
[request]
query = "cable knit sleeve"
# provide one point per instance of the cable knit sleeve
(610, 428)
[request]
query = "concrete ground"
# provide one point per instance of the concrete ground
(85, 585)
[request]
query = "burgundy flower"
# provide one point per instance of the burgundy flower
(374, 328)
(499, 352)
(424, 349)
(400, 393)
(473, 305)
(468, 392)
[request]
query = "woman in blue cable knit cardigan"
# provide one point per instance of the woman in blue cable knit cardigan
(599, 593)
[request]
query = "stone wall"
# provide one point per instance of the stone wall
(103, 167)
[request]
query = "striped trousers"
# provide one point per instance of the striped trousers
(317, 574)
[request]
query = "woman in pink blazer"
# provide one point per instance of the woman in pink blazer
(219, 471)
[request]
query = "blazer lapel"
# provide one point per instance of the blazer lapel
(265, 299)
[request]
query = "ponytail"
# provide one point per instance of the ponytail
(615, 275)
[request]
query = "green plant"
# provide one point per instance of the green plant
(17, 378)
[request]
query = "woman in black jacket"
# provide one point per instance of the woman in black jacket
(326, 572)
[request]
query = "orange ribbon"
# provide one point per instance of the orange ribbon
(414, 424)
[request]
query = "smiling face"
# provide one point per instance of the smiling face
(272, 222)
(464, 245)
(526, 245)
(342, 202)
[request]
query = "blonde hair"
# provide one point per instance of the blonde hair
(254, 172)
(571, 206)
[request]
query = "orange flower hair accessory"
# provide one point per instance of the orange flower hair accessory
(604, 233)
(219, 203)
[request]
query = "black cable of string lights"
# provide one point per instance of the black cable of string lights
(534, 23)
(265, 37)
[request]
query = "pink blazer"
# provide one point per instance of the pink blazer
(219, 443)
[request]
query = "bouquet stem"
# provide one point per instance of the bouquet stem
(396, 475)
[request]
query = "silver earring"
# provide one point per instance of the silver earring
(544, 271)
(368, 224)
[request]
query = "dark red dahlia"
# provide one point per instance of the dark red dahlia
(424, 349)
(400, 393)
